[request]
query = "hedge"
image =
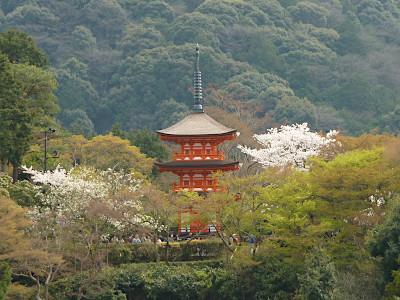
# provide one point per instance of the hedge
(178, 251)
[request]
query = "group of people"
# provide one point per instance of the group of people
(136, 239)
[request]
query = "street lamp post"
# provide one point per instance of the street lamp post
(45, 146)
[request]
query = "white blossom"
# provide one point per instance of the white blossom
(288, 145)
(67, 196)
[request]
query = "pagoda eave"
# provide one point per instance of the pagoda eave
(197, 166)
(174, 138)
(194, 169)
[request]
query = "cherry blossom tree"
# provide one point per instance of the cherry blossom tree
(288, 145)
(82, 206)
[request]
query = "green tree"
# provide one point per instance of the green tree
(137, 37)
(391, 121)
(249, 14)
(169, 113)
(15, 119)
(111, 152)
(361, 94)
(198, 27)
(383, 241)
(146, 78)
(350, 41)
(263, 54)
(318, 281)
(32, 17)
(393, 288)
(28, 102)
(275, 12)
(291, 109)
(147, 141)
(150, 144)
(9, 5)
(327, 36)
(75, 92)
(83, 38)
(309, 13)
(373, 12)
(301, 82)
(222, 10)
(155, 10)
(5, 279)
(105, 18)
(21, 48)
(76, 117)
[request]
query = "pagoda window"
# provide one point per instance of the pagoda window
(186, 182)
(187, 151)
(197, 146)
(210, 182)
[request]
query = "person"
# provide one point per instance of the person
(235, 239)
(114, 239)
(171, 238)
(136, 239)
(189, 237)
(251, 239)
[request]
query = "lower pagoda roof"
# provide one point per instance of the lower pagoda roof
(197, 164)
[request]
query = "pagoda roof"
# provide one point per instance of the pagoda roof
(197, 164)
(197, 124)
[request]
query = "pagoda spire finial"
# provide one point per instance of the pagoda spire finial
(198, 107)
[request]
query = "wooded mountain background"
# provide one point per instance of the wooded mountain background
(333, 64)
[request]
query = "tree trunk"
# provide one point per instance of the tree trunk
(38, 286)
(167, 252)
(156, 251)
(46, 291)
(15, 174)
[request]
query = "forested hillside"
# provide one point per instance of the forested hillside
(84, 214)
(333, 64)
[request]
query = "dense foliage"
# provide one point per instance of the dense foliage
(331, 64)
(329, 232)
(312, 218)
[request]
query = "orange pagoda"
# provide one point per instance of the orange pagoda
(198, 135)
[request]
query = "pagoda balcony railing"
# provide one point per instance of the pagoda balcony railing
(217, 156)
(176, 187)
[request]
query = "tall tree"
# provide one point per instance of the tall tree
(27, 95)
(15, 120)
(21, 48)
(384, 240)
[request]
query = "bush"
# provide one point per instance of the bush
(178, 251)
(20, 292)
(120, 254)
(180, 280)
(5, 279)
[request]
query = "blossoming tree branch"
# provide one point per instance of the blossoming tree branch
(288, 145)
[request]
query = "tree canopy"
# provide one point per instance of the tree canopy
(139, 53)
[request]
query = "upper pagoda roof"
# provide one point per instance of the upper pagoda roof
(197, 124)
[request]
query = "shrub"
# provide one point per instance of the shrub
(178, 251)
(5, 279)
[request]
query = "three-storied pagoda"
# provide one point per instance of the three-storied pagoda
(198, 135)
